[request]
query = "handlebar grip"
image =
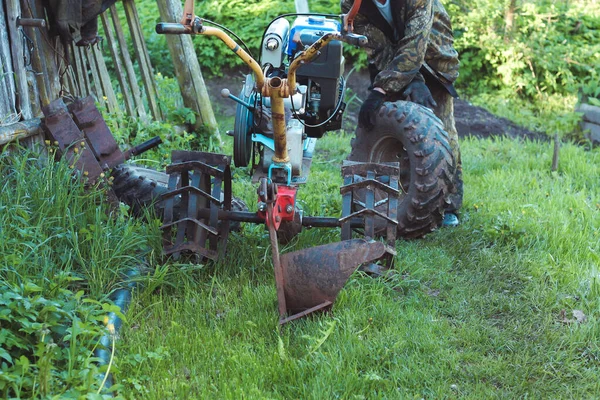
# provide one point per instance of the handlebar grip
(147, 145)
(171, 28)
(355, 40)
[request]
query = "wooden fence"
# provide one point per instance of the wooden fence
(36, 68)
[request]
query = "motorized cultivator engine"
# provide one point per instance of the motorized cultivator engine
(293, 96)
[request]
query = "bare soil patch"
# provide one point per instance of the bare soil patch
(470, 120)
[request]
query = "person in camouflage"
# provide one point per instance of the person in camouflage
(411, 57)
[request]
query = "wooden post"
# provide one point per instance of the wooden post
(38, 62)
(95, 75)
(82, 70)
(131, 78)
(114, 51)
(187, 69)
(111, 99)
(49, 54)
(143, 59)
(16, 35)
(8, 112)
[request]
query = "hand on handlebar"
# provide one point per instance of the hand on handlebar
(419, 93)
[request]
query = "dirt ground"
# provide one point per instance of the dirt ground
(470, 119)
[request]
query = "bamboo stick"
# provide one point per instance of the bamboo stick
(130, 73)
(143, 59)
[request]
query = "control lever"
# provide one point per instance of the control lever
(226, 93)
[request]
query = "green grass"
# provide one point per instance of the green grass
(483, 310)
(475, 311)
(62, 251)
(50, 224)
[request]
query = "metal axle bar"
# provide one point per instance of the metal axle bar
(254, 218)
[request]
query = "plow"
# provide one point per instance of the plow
(294, 95)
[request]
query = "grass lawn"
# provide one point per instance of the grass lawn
(483, 310)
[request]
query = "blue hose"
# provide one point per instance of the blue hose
(122, 299)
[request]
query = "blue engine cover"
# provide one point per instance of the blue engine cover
(313, 25)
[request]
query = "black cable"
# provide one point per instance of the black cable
(337, 107)
(232, 34)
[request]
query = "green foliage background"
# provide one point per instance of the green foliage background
(553, 47)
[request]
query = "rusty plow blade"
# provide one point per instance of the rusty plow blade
(312, 278)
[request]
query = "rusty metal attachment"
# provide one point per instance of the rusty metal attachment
(309, 280)
(199, 184)
(64, 132)
(83, 137)
(312, 278)
(371, 186)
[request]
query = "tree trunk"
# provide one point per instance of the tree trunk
(191, 84)
(509, 20)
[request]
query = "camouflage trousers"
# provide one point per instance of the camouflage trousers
(445, 112)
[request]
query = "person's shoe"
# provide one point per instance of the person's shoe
(450, 219)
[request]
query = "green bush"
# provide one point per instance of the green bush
(47, 340)
(552, 47)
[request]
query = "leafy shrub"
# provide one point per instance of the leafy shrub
(247, 19)
(552, 47)
(47, 339)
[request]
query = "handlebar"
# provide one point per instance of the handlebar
(354, 39)
(172, 28)
(196, 26)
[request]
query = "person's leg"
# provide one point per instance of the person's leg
(445, 112)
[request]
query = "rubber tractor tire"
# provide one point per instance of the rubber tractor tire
(412, 135)
(141, 187)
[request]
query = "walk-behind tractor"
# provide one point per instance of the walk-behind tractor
(294, 95)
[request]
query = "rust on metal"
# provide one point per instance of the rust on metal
(89, 119)
(316, 275)
(278, 116)
(82, 135)
(199, 188)
(365, 181)
(64, 132)
(277, 266)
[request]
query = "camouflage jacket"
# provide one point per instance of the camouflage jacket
(422, 34)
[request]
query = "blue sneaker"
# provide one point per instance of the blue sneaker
(450, 219)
